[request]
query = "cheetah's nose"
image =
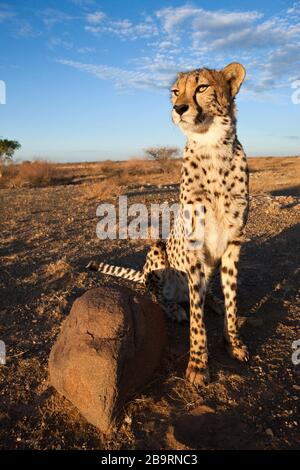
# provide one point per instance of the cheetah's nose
(181, 108)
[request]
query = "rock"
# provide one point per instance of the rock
(108, 348)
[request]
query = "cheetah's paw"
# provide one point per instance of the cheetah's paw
(238, 350)
(199, 377)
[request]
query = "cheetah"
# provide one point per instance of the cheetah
(214, 176)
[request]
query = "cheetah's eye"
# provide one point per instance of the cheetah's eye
(175, 92)
(201, 88)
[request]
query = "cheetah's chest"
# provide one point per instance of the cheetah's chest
(216, 185)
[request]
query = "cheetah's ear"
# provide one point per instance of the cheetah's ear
(235, 74)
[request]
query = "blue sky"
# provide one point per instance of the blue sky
(88, 79)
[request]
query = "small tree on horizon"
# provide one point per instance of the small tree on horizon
(7, 150)
(161, 154)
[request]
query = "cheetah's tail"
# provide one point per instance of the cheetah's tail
(125, 273)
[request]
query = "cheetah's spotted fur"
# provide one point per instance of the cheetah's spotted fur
(215, 175)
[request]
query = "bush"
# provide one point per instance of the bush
(37, 173)
(7, 150)
(162, 154)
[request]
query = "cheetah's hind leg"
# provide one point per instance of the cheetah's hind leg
(155, 281)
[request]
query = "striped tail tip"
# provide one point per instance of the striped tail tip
(93, 265)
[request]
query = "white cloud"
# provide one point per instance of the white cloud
(98, 23)
(266, 35)
(86, 50)
(125, 29)
(172, 18)
(270, 46)
(51, 16)
(122, 78)
(95, 18)
(6, 13)
(83, 3)
(294, 11)
(61, 43)
(93, 29)
(186, 37)
(25, 30)
(165, 44)
(203, 21)
(283, 64)
(19, 27)
(221, 21)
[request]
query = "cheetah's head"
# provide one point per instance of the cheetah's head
(201, 95)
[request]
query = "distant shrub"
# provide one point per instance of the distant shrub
(162, 154)
(37, 173)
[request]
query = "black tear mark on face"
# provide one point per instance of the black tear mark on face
(200, 116)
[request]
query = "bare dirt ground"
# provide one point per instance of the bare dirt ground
(47, 237)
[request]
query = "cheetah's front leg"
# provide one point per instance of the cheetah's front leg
(197, 371)
(235, 346)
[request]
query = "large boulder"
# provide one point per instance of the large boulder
(108, 348)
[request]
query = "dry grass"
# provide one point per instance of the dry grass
(121, 176)
(135, 171)
(107, 189)
(58, 268)
(142, 167)
(37, 173)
